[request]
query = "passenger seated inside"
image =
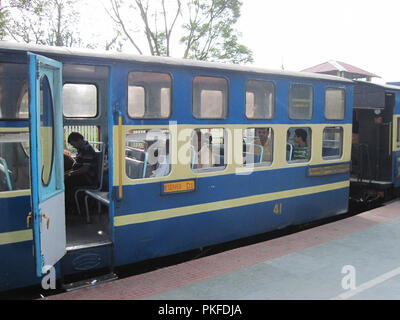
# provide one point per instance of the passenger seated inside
(301, 150)
(68, 160)
(84, 170)
(263, 139)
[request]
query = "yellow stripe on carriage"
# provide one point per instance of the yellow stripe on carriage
(226, 204)
(15, 193)
(16, 236)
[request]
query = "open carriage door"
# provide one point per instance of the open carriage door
(46, 150)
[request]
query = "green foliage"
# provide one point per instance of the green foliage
(47, 22)
(210, 34)
(4, 20)
(207, 31)
(207, 26)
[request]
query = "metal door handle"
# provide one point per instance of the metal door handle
(28, 220)
(47, 220)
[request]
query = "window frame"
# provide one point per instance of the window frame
(97, 99)
(53, 132)
(312, 102)
(310, 139)
(146, 95)
(344, 103)
(171, 164)
(273, 106)
(262, 164)
(25, 88)
(227, 96)
(212, 168)
(327, 158)
(25, 149)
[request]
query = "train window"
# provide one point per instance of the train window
(13, 91)
(149, 95)
(147, 154)
(332, 143)
(210, 97)
(258, 146)
(14, 161)
(298, 144)
(335, 103)
(46, 130)
(260, 99)
(301, 99)
(23, 104)
(208, 149)
(79, 100)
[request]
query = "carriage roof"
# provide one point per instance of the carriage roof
(128, 57)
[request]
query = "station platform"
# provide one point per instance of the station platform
(353, 258)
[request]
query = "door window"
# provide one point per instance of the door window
(46, 129)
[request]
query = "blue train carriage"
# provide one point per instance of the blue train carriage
(197, 154)
(376, 143)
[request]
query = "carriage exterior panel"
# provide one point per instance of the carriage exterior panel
(235, 201)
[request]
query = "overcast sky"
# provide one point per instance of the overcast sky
(304, 33)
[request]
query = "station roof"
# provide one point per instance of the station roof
(336, 67)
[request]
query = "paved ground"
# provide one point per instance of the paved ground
(354, 258)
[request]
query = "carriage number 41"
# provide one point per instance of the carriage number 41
(278, 208)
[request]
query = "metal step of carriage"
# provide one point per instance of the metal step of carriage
(85, 266)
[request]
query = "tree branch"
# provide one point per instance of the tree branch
(119, 21)
(148, 33)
